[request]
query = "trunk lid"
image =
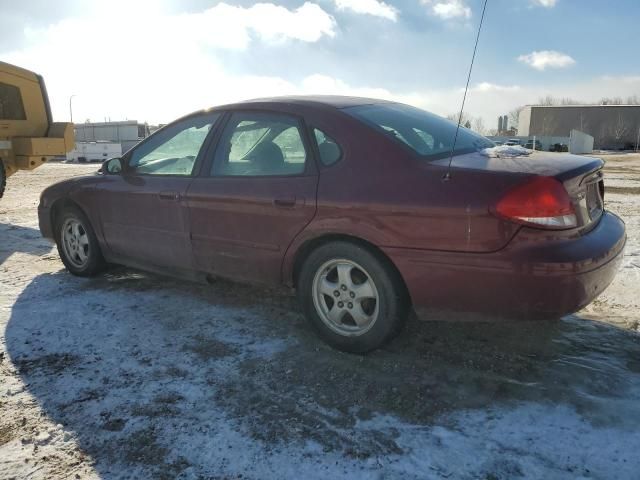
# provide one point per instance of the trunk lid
(581, 176)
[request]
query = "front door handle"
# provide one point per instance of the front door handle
(285, 202)
(169, 196)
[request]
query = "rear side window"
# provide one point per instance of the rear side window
(427, 134)
(330, 151)
(11, 106)
(260, 144)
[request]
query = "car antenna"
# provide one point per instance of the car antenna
(447, 176)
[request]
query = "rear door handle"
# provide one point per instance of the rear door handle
(169, 196)
(285, 202)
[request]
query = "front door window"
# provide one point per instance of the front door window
(172, 151)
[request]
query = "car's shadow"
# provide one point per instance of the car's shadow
(19, 239)
(153, 375)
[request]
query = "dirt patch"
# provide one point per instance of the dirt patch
(623, 190)
(115, 425)
(163, 405)
(210, 348)
(50, 364)
(6, 434)
(452, 367)
(143, 447)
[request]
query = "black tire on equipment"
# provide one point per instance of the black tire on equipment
(3, 178)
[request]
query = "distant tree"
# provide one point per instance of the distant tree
(550, 100)
(466, 118)
(619, 128)
(478, 126)
(469, 121)
(611, 101)
(547, 101)
(514, 116)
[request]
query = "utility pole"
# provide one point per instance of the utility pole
(71, 108)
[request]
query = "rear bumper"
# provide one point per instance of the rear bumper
(539, 272)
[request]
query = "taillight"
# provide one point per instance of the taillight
(541, 202)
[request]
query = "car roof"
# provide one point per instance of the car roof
(332, 101)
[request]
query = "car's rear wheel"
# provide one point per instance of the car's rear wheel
(77, 243)
(353, 297)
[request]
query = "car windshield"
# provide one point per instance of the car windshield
(427, 134)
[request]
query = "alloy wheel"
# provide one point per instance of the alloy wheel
(345, 297)
(75, 242)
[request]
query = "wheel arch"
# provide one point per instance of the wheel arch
(58, 207)
(308, 246)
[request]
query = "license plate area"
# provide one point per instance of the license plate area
(591, 198)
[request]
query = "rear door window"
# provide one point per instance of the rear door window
(260, 144)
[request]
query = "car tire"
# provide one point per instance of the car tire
(77, 243)
(352, 296)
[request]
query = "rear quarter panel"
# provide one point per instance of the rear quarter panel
(384, 194)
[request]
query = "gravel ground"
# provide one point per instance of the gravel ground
(132, 375)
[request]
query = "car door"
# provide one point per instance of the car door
(142, 211)
(259, 192)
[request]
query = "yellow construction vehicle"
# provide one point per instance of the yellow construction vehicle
(28, 135)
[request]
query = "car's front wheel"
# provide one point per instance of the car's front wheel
(353, 297)
(77, 243)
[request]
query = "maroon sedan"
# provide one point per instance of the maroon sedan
(353, 202)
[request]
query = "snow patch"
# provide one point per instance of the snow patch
(506, 151)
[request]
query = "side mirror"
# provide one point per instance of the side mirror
(113, 166)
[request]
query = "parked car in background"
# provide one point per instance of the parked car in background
(530, 145)
(513, 141)
(559, 147)
(365, 206)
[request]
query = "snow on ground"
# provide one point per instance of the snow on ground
(132, 375)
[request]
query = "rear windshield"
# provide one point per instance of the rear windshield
(427, 134)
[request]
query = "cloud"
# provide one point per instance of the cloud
(543, 59)
(171, 66)
(492, 87)
(544, 3)
(370, 7)
(229, 26)
(448, 9)
(165, 66)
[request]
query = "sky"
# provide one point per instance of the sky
(155, 60)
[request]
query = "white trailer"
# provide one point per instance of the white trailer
(94, 151)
